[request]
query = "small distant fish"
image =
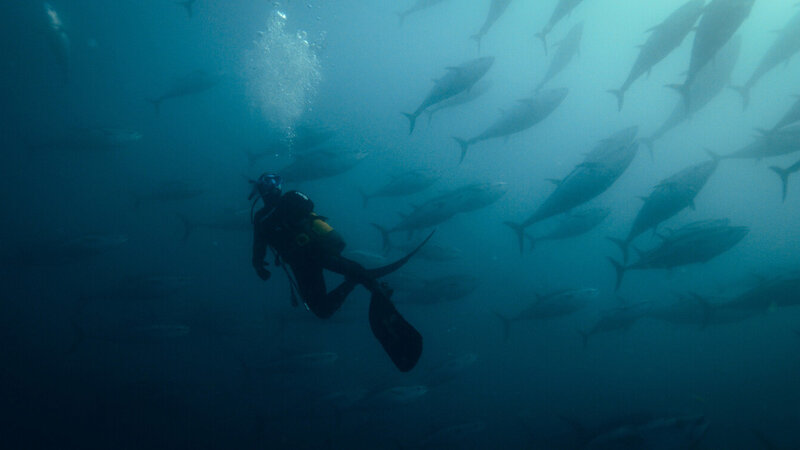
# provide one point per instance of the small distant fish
(403, 184)
(450, 436)
(321, 163)
(398, 395)
(568, 48)
(188, 4)
(563, 9)
(786, 45)
(496, 9)
(458, 79)
(450, 369)
(524, 114)
(664, 38)
(169, 191)
(193, 83)
(618, 319)
(418, 5)
(720, 21)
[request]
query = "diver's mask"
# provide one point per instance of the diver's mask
(268, 188)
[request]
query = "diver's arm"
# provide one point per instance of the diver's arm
(260, 253)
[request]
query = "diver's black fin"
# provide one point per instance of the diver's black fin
(401, 341)
(387, 269)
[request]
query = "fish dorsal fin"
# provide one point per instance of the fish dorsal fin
(644, 198)
(454, 68)
(639, 253)
(526, 101)
(555, 181)
(654, 28)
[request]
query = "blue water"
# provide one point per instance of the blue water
(149, 335)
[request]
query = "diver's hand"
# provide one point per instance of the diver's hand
(263, 273)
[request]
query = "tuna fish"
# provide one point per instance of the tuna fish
(496, 9)
(720, 21)
(404, 184)
(438, 290)
(194, 83)
(322, 163)
(450, 369)
(303, 139)
(664, 38)
(187, 5)
(568, 48)
(418, 5)
(557, 304)
(523, 115)
(617, 319)
(445, 206)
(786, 45)
(574, 223)
(779, 292)
(59, 40)
(398, 395)
(61, 251)
(791, 117)
(89, 140)
(563, 9)
(695, 243)
(169, 191)
(664, 433)
(784, 174)
(477, 91)
(457, 80)
(712, 79)
(668, 198)
(227, 220)
(698, 311)
(598, 172)
(770, 144)
(452, 436)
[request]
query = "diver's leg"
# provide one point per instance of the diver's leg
(311, 283)
(353, 272)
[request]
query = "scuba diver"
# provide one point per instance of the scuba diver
(303, 241)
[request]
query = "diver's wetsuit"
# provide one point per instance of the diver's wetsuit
(286, 230)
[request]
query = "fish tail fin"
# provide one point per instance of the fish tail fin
(533, 242)
(744, 91)
(784, 174)
(364, 197)
(156, 104)
(683, 90)
(464, 146)
(620, 272)
(620, 94)
(78, 337)
(188, 226)
(506, 325)
(584, 337)
(520, 231)
(623, 245)
(542, 36)
(477, 38)
(412, 118)
(387, 243)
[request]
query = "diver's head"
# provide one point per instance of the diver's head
(269, 187)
